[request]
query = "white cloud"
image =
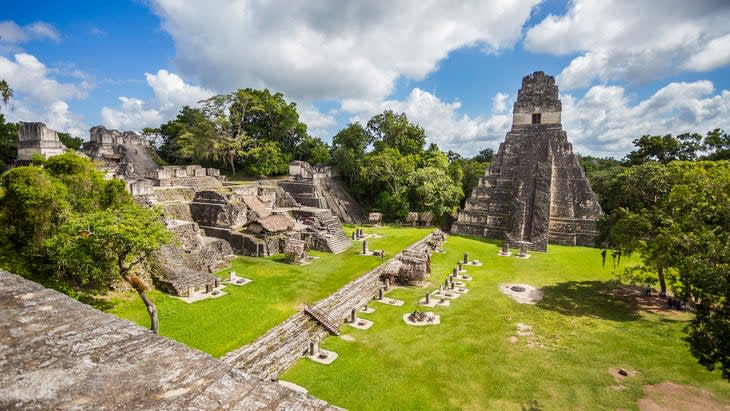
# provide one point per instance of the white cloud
(716, 54)
(443, 123)
(12, 33)
(170, 94)
(634, 40)
(40, 97)
(604, 122)
(318, 124)
(330, 49)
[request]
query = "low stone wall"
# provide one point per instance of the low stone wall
(277, 350)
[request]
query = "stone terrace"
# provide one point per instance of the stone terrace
(57, 353)
(276, 351)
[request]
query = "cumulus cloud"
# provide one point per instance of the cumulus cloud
(442, 121)
(330, 49)
(170, 94)
(41, 97)
(12, 33)
(604, 121)
(634, 40)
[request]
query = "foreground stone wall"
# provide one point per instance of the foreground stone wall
(58, 353)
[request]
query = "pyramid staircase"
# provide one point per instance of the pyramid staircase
(322, 318)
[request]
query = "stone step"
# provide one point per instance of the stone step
(323, 318)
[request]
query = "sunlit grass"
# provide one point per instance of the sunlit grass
(470, 362)
(220, 325)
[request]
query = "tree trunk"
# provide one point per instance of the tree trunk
(152, 310)
(662, 282)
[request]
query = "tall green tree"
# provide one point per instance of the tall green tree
(8, 141)
(5, 91)
(431, 189)
(678, 217)
(389, 129)
(94, 250)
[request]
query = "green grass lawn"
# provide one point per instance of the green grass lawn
(220, 325)
(469, 361)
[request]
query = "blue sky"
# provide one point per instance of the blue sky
(624, 68)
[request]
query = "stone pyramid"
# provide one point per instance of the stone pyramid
(535, 191)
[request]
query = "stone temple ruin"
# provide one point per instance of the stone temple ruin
(535, 191)
(210, 219)
(321, 187)
(36, 138)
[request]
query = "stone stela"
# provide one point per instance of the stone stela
(535, 190)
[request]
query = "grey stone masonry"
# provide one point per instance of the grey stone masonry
(535, 190)
(57, 353)
(36, 138)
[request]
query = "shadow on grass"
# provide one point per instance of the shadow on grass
(588, 299)
(96, 302)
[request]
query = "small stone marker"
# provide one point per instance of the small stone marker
(313, 347)
(354, 236)
(455, 271)
(353, 316)
(231, 276)
(466, 258)
(387, 284)
(365, 247)
(523, 250)
(461, 267)
(428, 298)
(505, 249)
(380, 294)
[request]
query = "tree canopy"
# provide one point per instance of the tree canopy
(66, 226)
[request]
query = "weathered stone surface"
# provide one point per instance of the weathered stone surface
(321, 187)
(186, 265)
(36, 138)
(218, 208)
(57, 353)
(535, 189)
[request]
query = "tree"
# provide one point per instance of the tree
(265, 159)
(433, 190)
(697, 240)
(716, 145)
(8, 141)
(395, 131)
(665, 148)
(678, 217)
(354, 137)
(484, 156)
(388, 168)
(95, 249)
(74, 143)
(5, 91)
(313, 150)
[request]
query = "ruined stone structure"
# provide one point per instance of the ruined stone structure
(321, 187)
(36, 138)
(190, 176)
(277, 350)
(535, 190)
(59, 354)
(184, 268)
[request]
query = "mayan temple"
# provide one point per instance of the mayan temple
(535, 190)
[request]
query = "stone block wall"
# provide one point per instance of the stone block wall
(36, 138)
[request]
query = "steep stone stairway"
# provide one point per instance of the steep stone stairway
(324, 319)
